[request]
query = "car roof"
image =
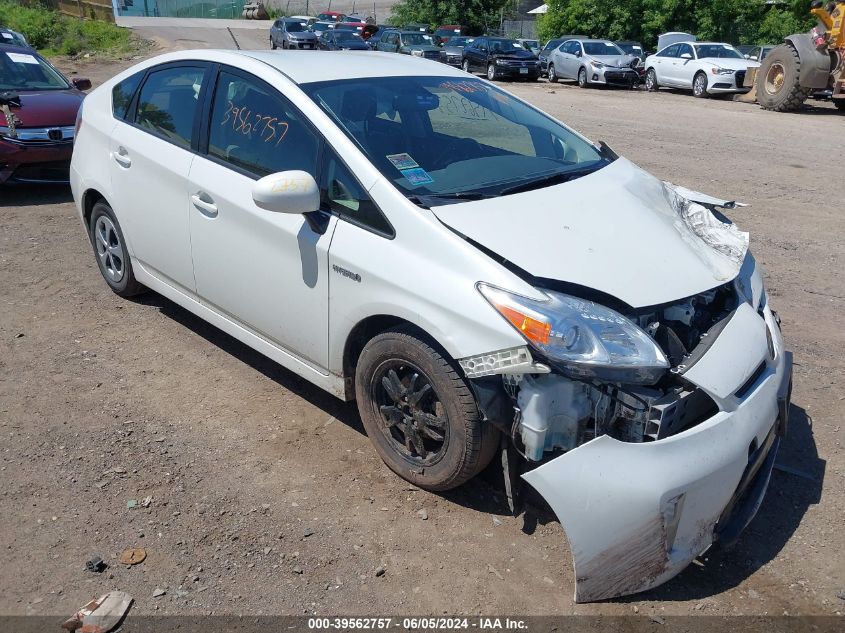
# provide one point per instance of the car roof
(17, 48)
(304, 67)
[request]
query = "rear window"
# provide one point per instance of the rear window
(122, 93)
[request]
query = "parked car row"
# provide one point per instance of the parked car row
(705, 68)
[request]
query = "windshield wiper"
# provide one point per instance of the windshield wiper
(424, 199)
(548, 180)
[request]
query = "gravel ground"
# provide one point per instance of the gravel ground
(265, 494)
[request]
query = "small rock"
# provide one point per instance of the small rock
(754, 595)
(307, 532)
(496, 522)
(297, 570)
(146, 502)
(158, 592)
(267, 550)
(839, 594)
(380, 571)
(494, 571)
(180, 593)
(132, 503)
(423, 514)
(636, 609)
(657, 619)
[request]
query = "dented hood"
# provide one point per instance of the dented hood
(618, 230)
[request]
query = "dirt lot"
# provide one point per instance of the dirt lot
(266, 495)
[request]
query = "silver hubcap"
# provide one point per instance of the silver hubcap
(491, 72)
(109, 249)
(699, 84)
(552, 73)
(649, 81)
(582, 78)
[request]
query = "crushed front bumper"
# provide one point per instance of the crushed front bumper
(636, 515)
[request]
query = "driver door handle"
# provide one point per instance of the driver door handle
(205, 204)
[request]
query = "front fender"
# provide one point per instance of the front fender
(815, 64)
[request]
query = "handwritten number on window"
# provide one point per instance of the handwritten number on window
(244, 121)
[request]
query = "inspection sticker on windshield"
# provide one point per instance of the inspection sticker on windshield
(8, 36)
(22, 58)
(402, 161)
(417, 176)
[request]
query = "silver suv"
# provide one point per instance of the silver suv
(290, 33)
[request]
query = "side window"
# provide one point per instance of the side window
(122, 93)
(256, 129)
(168, 102)
(672, 51)
(341, 193)
(686, 48)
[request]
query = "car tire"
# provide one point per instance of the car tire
(699, 86)
(447, 442)
(492, 74)
(465, 66)
(552, 74)
(111, 252)
(651, 81)
(272, 44)
(284, 45)
(582, 78)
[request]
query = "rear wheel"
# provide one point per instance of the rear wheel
(552, 74)
(111, 253)
(699, 86)
(272, 44)
(651, 80)
(778, 80)
(582, 78)
(465, 65)
(419, 412)
(492, 73)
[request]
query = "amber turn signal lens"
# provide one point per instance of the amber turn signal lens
(533, 329)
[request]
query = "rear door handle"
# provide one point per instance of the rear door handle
(121, 156)
(206, 206)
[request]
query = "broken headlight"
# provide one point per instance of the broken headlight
(585, 339)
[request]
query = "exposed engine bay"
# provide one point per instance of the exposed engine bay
(556, 411)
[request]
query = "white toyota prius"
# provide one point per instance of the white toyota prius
(476, 275)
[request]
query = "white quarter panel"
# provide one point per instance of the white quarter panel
(425, 275)
(89, 167)
(150, 198)
(268, 270)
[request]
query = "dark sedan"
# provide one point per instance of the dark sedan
(500, 58)
(336, 40)
(38, 108)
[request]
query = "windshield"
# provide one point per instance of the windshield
(439, 136)
(458, 41)
(416, 39)
(27, 71)
(346, 36)
(631, 49)
(602, 48)
(348, 27)
(722, 51)
(294, 27)
(505, 46)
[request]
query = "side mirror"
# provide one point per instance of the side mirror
(287, 192)
(81, 83)
(686, 56)
(577, 53)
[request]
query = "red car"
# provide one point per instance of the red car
(445, 31)
(38, 107)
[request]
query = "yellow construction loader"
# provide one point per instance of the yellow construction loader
(804, 64)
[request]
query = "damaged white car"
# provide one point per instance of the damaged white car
(479, 277)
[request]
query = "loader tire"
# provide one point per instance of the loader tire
(778, 81)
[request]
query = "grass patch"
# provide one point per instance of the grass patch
(55, 34)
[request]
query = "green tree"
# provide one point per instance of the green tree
(477, 15)
(738, 21)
